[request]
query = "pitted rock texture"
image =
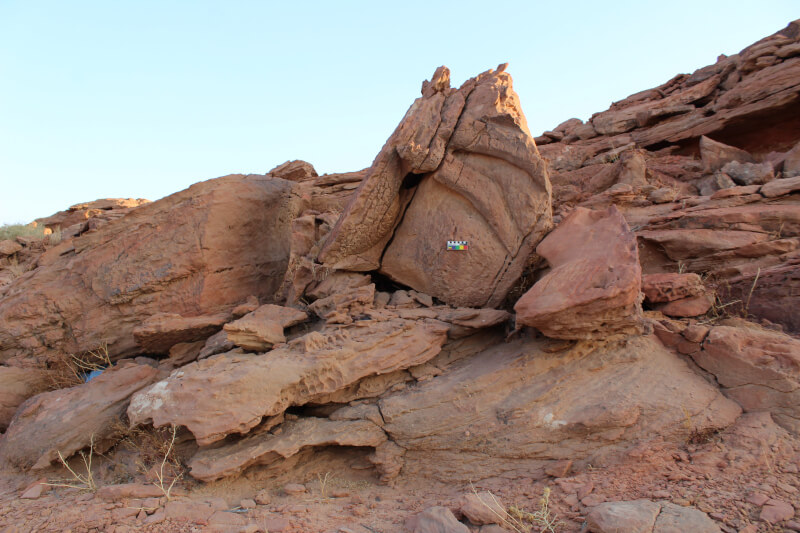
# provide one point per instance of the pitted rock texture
(231, 393)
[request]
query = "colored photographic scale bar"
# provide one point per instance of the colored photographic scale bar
(457, 245)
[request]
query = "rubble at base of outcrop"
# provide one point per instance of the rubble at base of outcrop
(616, 331)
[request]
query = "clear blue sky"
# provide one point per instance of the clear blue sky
(143, 98)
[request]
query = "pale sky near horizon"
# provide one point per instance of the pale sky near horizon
(142, 99)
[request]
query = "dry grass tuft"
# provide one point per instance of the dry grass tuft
(162, 474)
(70, 370)
(155, 449)
(520, 520)
(84, 482)
(15, 268)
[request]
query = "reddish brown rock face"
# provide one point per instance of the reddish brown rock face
(460, 166)
(759, 369)
(198, 252)
(593, 288)
(16, 386)
(669, 287)
(265, 385)
(67, 420)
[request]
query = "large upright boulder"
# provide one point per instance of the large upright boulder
(463, 166)
(198, 252)
(593, 288)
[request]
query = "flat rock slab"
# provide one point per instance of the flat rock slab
(231, 393)
(593, 288)
(645, 516)
(515, 406)
(66, 420)
(265, 448)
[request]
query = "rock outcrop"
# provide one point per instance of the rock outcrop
(296, 324)
(516, 407)
(644, 516)
(722, 132)
(593, 288)
(460, 166)
(198, 252)
(67, 420)
(759, 369)
(16, 386)
(231, 393)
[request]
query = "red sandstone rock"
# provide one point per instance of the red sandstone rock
(435, 520)
(593, 288)
(546, 407)
(9, 247)
(124, 491)
(16, 386)
(716, 155)
(780, 187)
(260, 329)
(759, 369)
(67, 420)
(294, 171)
(483, 508)
(687, 307)
(199, 252)
(480, 179)
(105, 209)
(264, 385)
(775, 511)
(266, 448)
(669, 287)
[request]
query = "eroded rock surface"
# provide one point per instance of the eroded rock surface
(265, 448)
(68, 420)
(231, 393)
(460, 166)
(515, 406)
(593, 288)
(198, 252)
(759, 369)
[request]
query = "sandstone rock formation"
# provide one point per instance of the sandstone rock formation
(644, 516)
(735, 114)
(16, 386)
(198, 252)
(300, 325)
(67, 420)
(582, 405)
(593, 288)
(759, 369)
(263, 327)
(256, 386)
(460, 166)
(264, 448)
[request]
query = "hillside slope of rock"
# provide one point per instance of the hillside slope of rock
(611, 338)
